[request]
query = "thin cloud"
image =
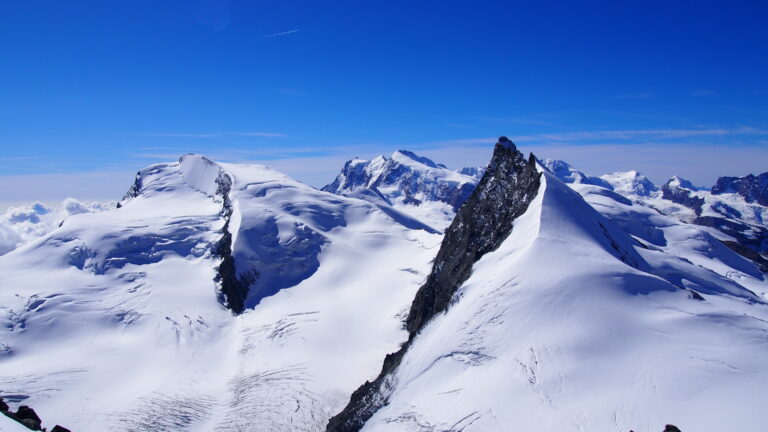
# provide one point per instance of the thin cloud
(485, 140)
(289, 91)
(603, 137)
(172, 135)
(703, 93)
(274, 35)
(630, 134)
(520, 120)
(258, 134)
(632, 96)
(209, 135)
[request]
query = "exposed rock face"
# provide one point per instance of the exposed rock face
(503, 194)
(506, 189)
(679, 191)
(405, 177)
(27, 417)
(234, 288)
(752, 188)
(671, 428)
(24, 415)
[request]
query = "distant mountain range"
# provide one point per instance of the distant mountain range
(403, 296)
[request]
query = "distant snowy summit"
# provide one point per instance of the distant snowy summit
(732, 206)
(411, 183)
(568, 306)
(752, 188)
(256, 302)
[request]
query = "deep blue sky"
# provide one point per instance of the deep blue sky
(97, 89)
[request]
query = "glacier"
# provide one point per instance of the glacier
(217, 296)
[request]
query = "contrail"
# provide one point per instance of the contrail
(279, 34)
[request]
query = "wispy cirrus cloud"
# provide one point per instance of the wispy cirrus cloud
(285, 33)
(622, 135)
(630, 134)
(703, 92)
(633, 96)
(208, 135)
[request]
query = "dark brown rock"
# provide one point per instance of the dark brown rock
(483, 222)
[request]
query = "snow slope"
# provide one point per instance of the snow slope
(572, 325)
(116, 320)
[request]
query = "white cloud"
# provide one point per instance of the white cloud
(54, 188)
(285, 33)
(22, 224)
(208, 135)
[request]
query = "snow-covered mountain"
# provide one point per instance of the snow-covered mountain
(410, 183)
(752, 188)
(591, 314)
(117, 320)
(630, 183)
(739, 222)
(220, 296)
(569, 174)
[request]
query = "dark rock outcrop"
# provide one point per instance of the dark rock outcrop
(234, 287)
(752, 188)
(485, 220)
(28, 417)
(24, 415)
(679, 191)
(480, 226)
(749, 254)
(671, 428)
(751, 236)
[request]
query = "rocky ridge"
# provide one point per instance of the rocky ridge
(506, 189)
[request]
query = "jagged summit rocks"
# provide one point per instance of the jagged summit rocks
(752, 188)
(507, 187)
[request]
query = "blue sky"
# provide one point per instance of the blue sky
(91, 91)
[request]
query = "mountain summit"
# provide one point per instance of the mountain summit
(410, 183)
(531, 282)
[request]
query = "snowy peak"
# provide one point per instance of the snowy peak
(192, 173)
(474, 172)
(680, 191)
(406, 181)
(568, 174)
(752, 188)
(509, 185)
(680, 183)
(406, 156)
(630, 183)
